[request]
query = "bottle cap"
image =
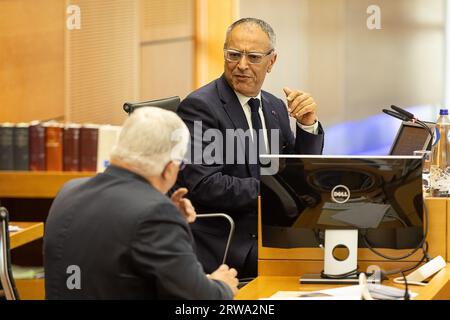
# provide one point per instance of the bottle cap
(443, 112)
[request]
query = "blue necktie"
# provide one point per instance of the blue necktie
(254, 104)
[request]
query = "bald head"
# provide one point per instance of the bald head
(249, 23)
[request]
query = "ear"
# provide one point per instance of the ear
(168, 170)
(272, 62)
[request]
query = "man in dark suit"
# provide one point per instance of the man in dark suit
(117, 235)
(227, 179)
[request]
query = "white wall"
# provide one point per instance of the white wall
(325, 48)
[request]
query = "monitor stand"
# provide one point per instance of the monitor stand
(334, 263)
(315, 278)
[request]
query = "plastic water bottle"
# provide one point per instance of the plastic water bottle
(440, 159)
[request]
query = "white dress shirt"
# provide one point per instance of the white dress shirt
(243, 100)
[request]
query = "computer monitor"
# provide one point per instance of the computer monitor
(379, 196)
(411, 137)
(170, 104)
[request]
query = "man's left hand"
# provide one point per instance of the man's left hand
(184, 205)
(301, 106)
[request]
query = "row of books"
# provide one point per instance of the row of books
(51, 146)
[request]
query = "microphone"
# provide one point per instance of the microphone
(396, 115)
(407, 114)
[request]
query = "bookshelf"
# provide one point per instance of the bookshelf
(28, 196)
(35, 184)
(29, 232)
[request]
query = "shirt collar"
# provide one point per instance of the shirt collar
(244, 99)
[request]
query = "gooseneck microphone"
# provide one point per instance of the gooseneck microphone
(396, 115)
(404, 115)
(407, 114)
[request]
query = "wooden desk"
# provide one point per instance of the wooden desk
(29, 289)
(30, 231)
(265, 286)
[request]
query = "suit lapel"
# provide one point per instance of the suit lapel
(231, 104)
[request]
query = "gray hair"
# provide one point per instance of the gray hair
(262, 24)
(150, 138)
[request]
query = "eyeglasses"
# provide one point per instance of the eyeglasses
(252, 57)
(181, 164)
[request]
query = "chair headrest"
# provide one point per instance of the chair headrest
(170, 104)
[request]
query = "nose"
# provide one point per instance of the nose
(243, 63)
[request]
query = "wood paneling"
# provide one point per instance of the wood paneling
(298, 267)
(31, 59)
(213, 19)
(437, 231)
(102, 61)
(166, 48)
(159, 81)
(162, 19)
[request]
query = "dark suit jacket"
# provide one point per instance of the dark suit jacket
(129, 241)
(231, 188)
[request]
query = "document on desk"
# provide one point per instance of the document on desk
(378, 292)
(344, 293)
(12, 228)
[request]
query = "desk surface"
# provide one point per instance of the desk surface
(30, 231)
(266, 286)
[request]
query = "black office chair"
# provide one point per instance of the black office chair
(170, 104)
(8, 288)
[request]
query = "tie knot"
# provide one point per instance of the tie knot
(254, 104)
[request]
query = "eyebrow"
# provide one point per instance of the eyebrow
(250, 51)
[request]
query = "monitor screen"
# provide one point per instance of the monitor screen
(410, 137)
(379, 196)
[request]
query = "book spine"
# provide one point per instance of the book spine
(54, 148)
(21, 148)
(107, 138)
(37, 148)
(71, 149)
(6, 147)
(88, 149)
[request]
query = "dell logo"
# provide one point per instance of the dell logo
(340, 194)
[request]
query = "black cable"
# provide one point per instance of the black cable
(398, 271)
(420, 245)
(406, 296)
(339, 276)
(402, 271)
(424, 125)
(352, 273)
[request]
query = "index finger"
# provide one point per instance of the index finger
(223, 267)
(180, 193)
(294, 94)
